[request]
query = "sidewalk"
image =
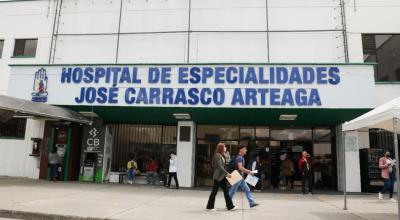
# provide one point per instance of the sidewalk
(52, 200)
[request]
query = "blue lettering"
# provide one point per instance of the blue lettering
(180, 97)
(237, 97)
(195, 75)
(287, 97)
(261, 76)
(135, 76)
(205, 100)
(81, 97)
(295, 76)
(154, 94)
(88, 73)
(207, 73)
(321, 75)
(230, 78)
(281, 75)
(99, 73)
(90, 95)
(116, 71)
(334, 74)
(113, 95)
(125, 76)
(251, 76)
(166, 75)
(193, 94)
(168, 96)
(274, 99)
(102, 95)
(183, 74)
(219, 96)
(154, 75)
(314, 98)
(219, 75)
(66, 75)
(77, 75)
(251, 96)
(308, 75)
(301, 97)
(128, 98)
(142, 96)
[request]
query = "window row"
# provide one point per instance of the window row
(22, 47)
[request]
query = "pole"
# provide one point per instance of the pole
(396, 150)
(344, 171)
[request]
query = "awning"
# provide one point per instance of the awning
(381, 117)
(11, 107)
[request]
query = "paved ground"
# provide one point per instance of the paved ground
(115, 201)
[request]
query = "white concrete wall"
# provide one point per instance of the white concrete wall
(186, 156)
(24, 19)
(14, 154)
(386, 92)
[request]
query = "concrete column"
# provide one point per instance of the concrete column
(34, 129)
(186, 153)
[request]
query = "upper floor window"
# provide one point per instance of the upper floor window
(1, 47)
(383, 49)
(25, 47)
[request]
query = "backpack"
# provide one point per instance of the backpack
(232, 165)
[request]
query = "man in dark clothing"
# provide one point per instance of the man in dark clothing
(306, 172)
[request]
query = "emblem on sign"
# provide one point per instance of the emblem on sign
(40, 93)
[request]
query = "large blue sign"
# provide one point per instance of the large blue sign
(201, 85)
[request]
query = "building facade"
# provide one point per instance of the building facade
(181, 75)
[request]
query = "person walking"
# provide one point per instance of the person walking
(132, 169)
(287, 170)
(173, 168)
(152, 168)
(306, 172)
(54, 160)
(218, 165)
(256, 165)
(387, 166)
(239, 166)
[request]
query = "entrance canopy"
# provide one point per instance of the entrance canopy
(223, 116)
(381, 117)
(10, 107)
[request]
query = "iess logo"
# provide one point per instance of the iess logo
(40, 93)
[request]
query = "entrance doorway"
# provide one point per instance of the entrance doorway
(271, 145)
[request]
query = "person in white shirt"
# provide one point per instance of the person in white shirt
(54, 160)
(173, 168)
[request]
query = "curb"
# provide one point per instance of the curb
(42, 216)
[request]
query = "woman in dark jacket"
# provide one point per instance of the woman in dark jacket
(219, 178)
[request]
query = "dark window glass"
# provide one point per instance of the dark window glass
(1, 47)
(383, 49)
(13, 128)
(143, 141)
(184, 134)
(25, 47)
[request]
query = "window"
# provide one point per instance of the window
(25, 47)
(383, 49)
(1, 47)
(13, 128)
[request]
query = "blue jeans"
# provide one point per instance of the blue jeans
(131, 174)
(243, 185)
(151, 177)
(53, 171)
(389, 184)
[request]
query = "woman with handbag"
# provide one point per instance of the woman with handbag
(219, 175)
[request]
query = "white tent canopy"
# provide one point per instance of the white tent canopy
(381, 117)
